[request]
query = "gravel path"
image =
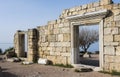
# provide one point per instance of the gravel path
(18, 70)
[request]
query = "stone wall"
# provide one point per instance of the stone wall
(53, 41)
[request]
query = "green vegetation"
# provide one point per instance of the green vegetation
(62, 65)
(0, 51)
(112, 73)
(8, 50)
(76, 70)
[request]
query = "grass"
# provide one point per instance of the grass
(112, 73)
(76, 70)
(62, 65)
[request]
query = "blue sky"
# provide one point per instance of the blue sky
(25, 14)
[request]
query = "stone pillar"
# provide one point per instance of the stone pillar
(19, 44)
(75, 44)
(32, 45)
(105, 2)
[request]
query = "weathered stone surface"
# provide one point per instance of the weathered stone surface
(117, 17)
(108, 38)
(109, 31)
(54, 41)
(109, 50)
(118, 50)
(105, 2)
(111, 43)
(109, 58)
(117, 38)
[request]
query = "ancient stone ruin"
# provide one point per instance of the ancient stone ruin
(58, 40)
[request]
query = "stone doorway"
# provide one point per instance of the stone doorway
(92, 18)
(91, 57)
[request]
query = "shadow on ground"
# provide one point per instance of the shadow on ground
(89, 61)
(7, 74)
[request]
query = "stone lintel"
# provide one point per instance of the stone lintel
(90, 15)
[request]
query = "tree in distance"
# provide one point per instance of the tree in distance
(87, 37)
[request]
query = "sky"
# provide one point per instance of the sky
(26, 14)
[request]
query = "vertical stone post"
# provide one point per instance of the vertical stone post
(19, 43)
(75, 44)
(32, 45)
(105, 2)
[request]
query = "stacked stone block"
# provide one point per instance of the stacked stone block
(54, 41)
(32, 45)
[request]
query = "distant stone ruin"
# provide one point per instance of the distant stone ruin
(58, 40)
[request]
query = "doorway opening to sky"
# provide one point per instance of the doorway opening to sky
(89, 45)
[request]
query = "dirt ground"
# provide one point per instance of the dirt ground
(10, 69)
(35, 70)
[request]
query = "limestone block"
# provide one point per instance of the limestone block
(51, 38)
(112, 67)
(116, 12)
(105, 2)
(117, 59)
(57, 53)
(90, 5)
(61, 60)
(106, 66)
(96, 4)
(99, 8)
(118, 23)
(75, 13)
(117, 38)
(91, 10)
(46, 53)
(68, 60)
(66, 24)
(58, 44)
(61, 25)
(58, 49)
(64, 49)
(52, 58)
(117, 17)
(65, 30)
(72, 9)
(82, 12)
(108, 38)
(111, 43)
(56, 31)
(52, 53)
(109, 58)
(66, 44)
(42, 61)
(84, 6)
(109, 50)
(78, 8)
(52, 44)
(110, 31)
(52, 22)
(66, 37)
(60, 37)
(65, 54)
(109, 7)
(118, 50)
(115, 6)
(68, 49)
